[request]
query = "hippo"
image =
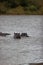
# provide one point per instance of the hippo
(24, 35)
(4, 34)
(17, 36)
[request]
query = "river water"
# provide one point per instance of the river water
(25, 50)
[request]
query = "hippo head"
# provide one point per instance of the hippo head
(17, 35)
(24, 35)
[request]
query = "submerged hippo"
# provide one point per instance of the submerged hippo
(24, 35)
(4, 34)
(17, 36)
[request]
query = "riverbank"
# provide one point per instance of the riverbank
(22, 7)
(20, 11)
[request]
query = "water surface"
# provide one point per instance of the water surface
(26, 50)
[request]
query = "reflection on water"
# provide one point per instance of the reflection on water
(25, 50)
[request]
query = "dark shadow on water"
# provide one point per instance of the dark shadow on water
(36, 64)
(31, 64)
